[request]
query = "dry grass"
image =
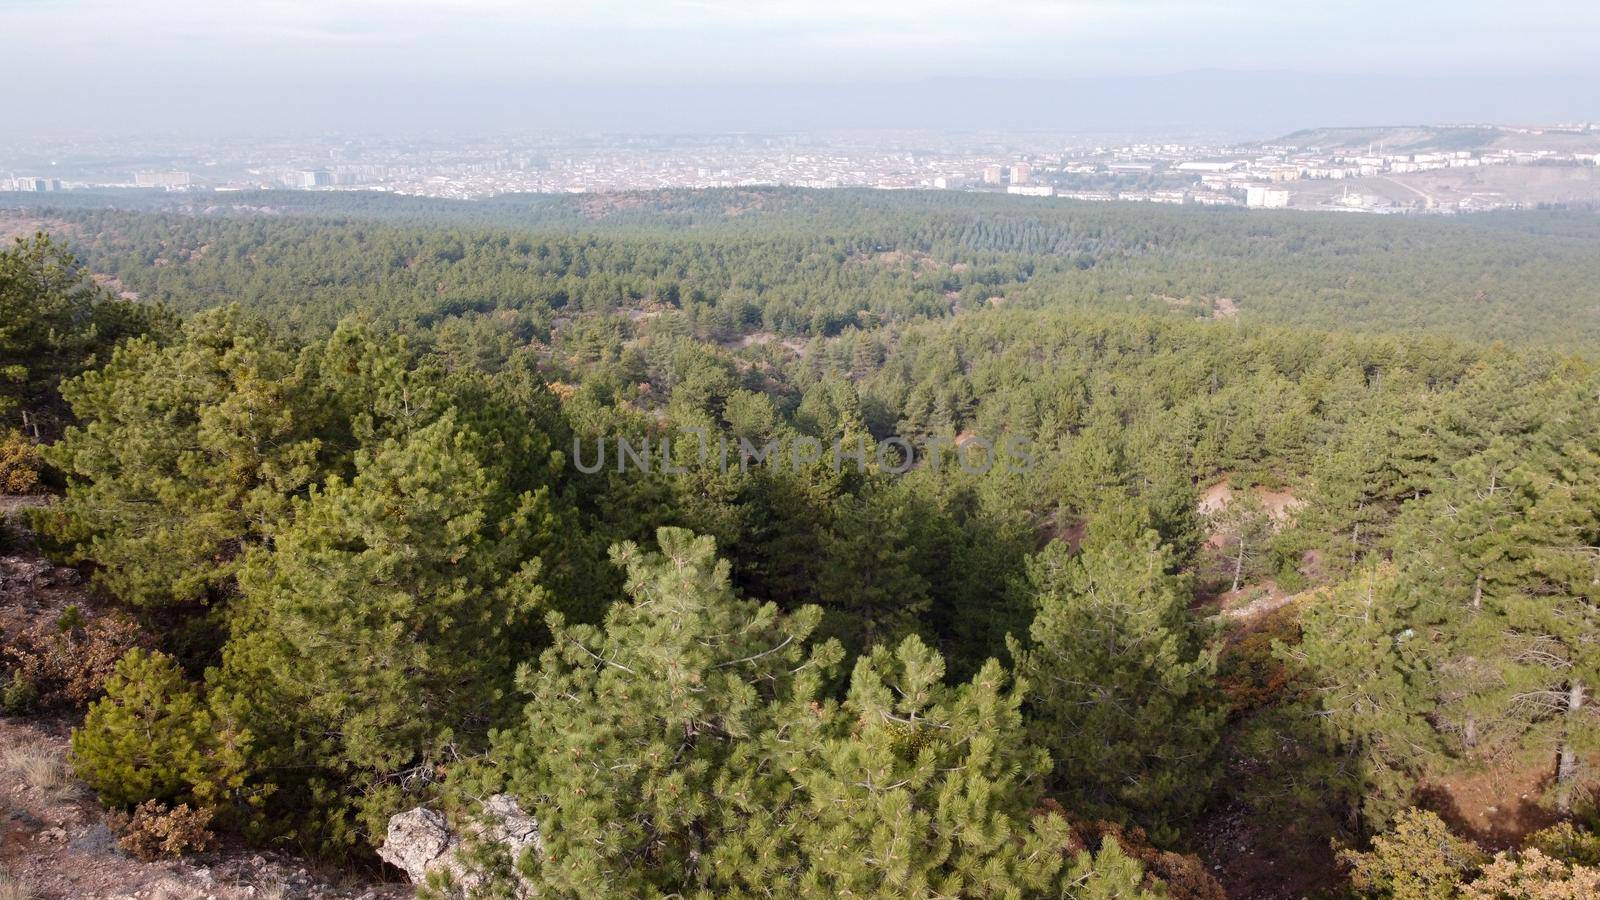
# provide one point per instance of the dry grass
(41, 769)
(13, 889)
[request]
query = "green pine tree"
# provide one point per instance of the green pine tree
(186, 455)
(376, 640)
(1120, 673)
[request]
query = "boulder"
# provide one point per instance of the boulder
(22, 572)
(507, 824)
(96, 839)
(420, 841)
(61, 576)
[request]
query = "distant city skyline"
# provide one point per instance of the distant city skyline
(1405, 169)
(1248, 68)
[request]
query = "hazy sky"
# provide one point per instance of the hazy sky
(499, 64)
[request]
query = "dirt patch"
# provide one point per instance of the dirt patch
(797, 346)
(1497, 806)
(60, 844)
(1215, 498)
(115, 285)
(1272, 600)
(1280, 504)
(1071, 533)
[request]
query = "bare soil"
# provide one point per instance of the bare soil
(1497, 806)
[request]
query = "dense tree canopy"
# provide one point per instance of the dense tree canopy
(774, 542)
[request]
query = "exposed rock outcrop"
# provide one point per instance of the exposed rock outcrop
(508, 824)
(419, 841)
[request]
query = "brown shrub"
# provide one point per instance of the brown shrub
(157, 830)
(1249, 672)
(66, 662)
(1530, 875)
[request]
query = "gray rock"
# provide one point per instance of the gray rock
(18, 571)
(420, 841)
(509, 825)
(62, 576)
(97, 838)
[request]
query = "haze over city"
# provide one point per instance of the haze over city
(1246, 68)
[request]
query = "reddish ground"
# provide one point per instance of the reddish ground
(1279, 504)
(1497, 807)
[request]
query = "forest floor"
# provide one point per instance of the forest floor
(1496, 806)
(1254, 857)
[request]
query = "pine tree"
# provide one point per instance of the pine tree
(1368, 648)
(870, 583)
(185, 456)
(1518, 553)
(915, 788)
(1357, 492)
(1470, 549)
(54, 322)
(1109, 874)
(686, 747)
(377, 638)
(1550, 626)
(1246, 530)
(1119, 673)
(639, 750)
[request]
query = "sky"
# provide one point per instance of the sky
(693, 65)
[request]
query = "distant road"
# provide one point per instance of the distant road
(1425, 197)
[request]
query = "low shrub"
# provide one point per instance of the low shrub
(152, 737)
(156, 830)
(19, 462)
(66, 662)
(18, 695)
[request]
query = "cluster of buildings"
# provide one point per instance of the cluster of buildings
(474, 168)
(1253, 176)
(30, 184)
(1200, 173)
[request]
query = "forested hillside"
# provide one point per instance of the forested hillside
(816, 262)
(792, 543)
